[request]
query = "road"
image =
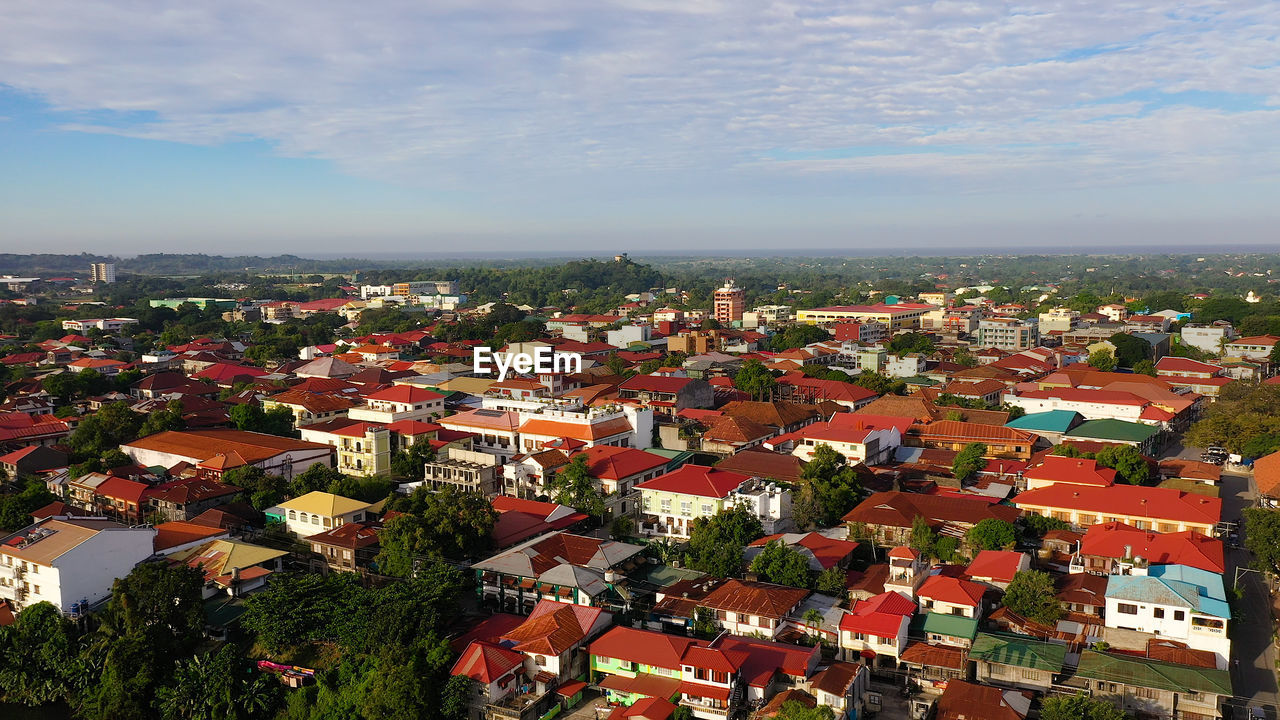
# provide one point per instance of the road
(1253, 672)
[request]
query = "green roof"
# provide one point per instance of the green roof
(1019, 651)
(1058, 421)
(952, 625)
(1141, 672)
(1109, 429)
(920, 380)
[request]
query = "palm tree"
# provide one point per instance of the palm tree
(813, 619)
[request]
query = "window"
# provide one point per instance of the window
(37, 589)
(1144, 693)
(1029, 674)
(35, 569)
(315, 519)
(686, 509)
(1127, 609)
(293, 515)
(706, 509)
(1158, 613)
(997, 671)
(666, 505)
(539, 660)
(1179, 615)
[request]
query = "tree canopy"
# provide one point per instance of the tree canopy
(1031, 595)
(716, 544)
(781, 564)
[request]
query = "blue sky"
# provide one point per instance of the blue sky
(325, 126)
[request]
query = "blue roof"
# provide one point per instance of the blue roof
(1177, 585)
(1058, 421)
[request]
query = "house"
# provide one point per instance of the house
(552, 639)
(1266, 475)
(1083, 596)
(69, 562)
(876, 627)
(493, 669)
(822, 552)
(1254, 347)
(348, 547)
(964, 700)
(399, 402)
(797, 387)
(318, 511)
(186, 498)
(667, 395)
(841, 686)
(630, 665)
(1072, 471)
(748, 608)
(121, 499)
(946, 595)
(1146, 438)
(1153, 688)
(558, 566)
(520, 519)
(943, 629)
(1164, 510)
(1016, 661)
(1001, 441)
(858, 438)
(30, 460)
(1114, 548)
(464, 470)
(757, 462)
(933, 667)
(783, 417)
(230, 566)
(888, 516)
(310, 407)
(217, 450)
(728, 435)
(1173, 601)
(670, 503)
(619, 470)
(996, 568)
(361, 447)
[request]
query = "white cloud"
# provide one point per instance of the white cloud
(585, 94)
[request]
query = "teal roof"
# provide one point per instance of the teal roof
(1108, 429)
(1137, 671)
(1058, 421)
(1175, 586)
(951, 625)
(1018, 651)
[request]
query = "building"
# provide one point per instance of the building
(1072, 471)
(558, 566)
(107, 325)
(102, 272)
(1173, 601)
(888, 516)
(230, 567)
(670, 503)
(399, 402)
(186, 498)
(1256, 347)
(217, 450)
(667, 395)
(318, 511)
(634, 665)
(1209, 338)
(903, 316)
(729, 303)
(1058, 320)
(1164, 510)
(348, 547)
(858, 438)
(464, 470)
(749, 608)
(362, 448)
(876, 627)
(996, 568)
(1153, 688)
(69, 562)
(1016, 661)
(1007, 333)
(1114, 548)
(310, 407)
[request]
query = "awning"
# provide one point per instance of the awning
(869, 654)
(642, 684)
(571, 688)
(704, 691)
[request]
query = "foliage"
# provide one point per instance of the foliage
(1031, 595)
(1127, 461)
(573, 486)
(1262, 537)
(879, 384)
(448, 523)
(797, 336)
(779, 563)
(1102, 360)
(969, 461)
(251, 417)
(716, 543)
(755, 380)
(1038, 525)
(831, 492)
(111, 426)
(1079, 707)
(795, 710)
(38, 656)
(832, 581)
(946, 549)
(410, 463)
(15, 510)
(1130, 349)
(992, 534)
(622, 527)
(1243, 413)
(1145, 367)
(260, 489)
(923, 538)
(219, 686)
(911, 342)
(161, 420)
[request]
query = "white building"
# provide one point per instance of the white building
(627, 335)
(102, 272)
(399, 402)
(69, 562)
(317, 512)
(1209, 338)
(103, 324)
(904, 366)
(1173, 601)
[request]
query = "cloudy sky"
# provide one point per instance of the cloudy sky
(324, 126)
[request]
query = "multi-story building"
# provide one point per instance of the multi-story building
(318, 511)
(767, 316)
(1164, 510)
(110, 325)
(729, 303)
(215, 451)
(903, 316)
(1255, 347)
(1060, 320)
(670, 503)
(465, 470)
(102, 272)
(1007, 333)
(1173, 601)
(1209, 338)
(69, 562)
(399, 402)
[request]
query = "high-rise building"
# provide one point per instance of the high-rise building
(102, 272)
(729, 303)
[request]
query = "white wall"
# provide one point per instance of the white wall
(89, 569)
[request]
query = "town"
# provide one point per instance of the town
(960, 489)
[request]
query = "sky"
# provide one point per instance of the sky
(402, 126)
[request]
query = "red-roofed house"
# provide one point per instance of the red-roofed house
(859, 438)
(876, 626)
(670, 503)
(813, 390)
(823, 553)
(1068, 470)
(520, 519)
(745, 607)
(551, 636)
(399, 402)
(1164, 510)
(1114, 548)
(667, 395)
(122, 499)
(947, 595)
(491, 666)
(996, 568)
(619, 470)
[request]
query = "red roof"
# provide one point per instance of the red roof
(1117, 540)
(1077, 471)
(999, 565)
(404, 394)
(880, 615)
(553, 628)
(226, 372)
(1132, 500)
(118, 488)
(1178, 366)
(485, 662)
(827, 551)
(520, 519)
(656, 383)
(954, 591)
(642, 646)
(1085, 395)
(610, 462)
(699, 480)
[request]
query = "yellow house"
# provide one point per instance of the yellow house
(363, 448)
(1164, 510)
(308, 407)
(318, 511)
(670, 503)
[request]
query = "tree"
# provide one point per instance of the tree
(832, 581)
(410, 463)
(220, 685)
(111, 426)
(163, 605)
(162, 420)
(1038, 525)
(923, 538)
(969, 461)
(1079, 707)
(1102, 360)
(38, 656)
(573, 486)
(992, 534)
(716, 543)
(622, 527)
(779, 563)
(15, 509)
(797, 336)
(795, 710)
(251, 418)
(1130, 349)
(1144, 367)
(1128, 463)
(1031, 595)
(1262, 537)
(879, 384)
(831, 491)
(448, 523)
(755, 380)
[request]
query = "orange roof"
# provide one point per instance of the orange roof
(173, 534)
(553, 628)
(404, 394)
(699, 480)
(577, 431)
(485, 662)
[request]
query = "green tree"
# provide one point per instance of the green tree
(795, 710)
(992, 534)
(923, 538)
(1145, 367)
(1038, 525)
(276, 421)
(38, 656)
(410, 463)
(779, 563)
(162, 420)
(111, 426)
(448, 523)
(1102, 360)
(1262, 537)
(755, 380)
(219, 686)
(797, 336)
(1031, 595)
(162, 604)
(969, 461)
(1128, 463)
(573, 486)
(717, 543)
(831, 490)
(833, 581)
(15, 509)
(1130, 349)
(1079, 707)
